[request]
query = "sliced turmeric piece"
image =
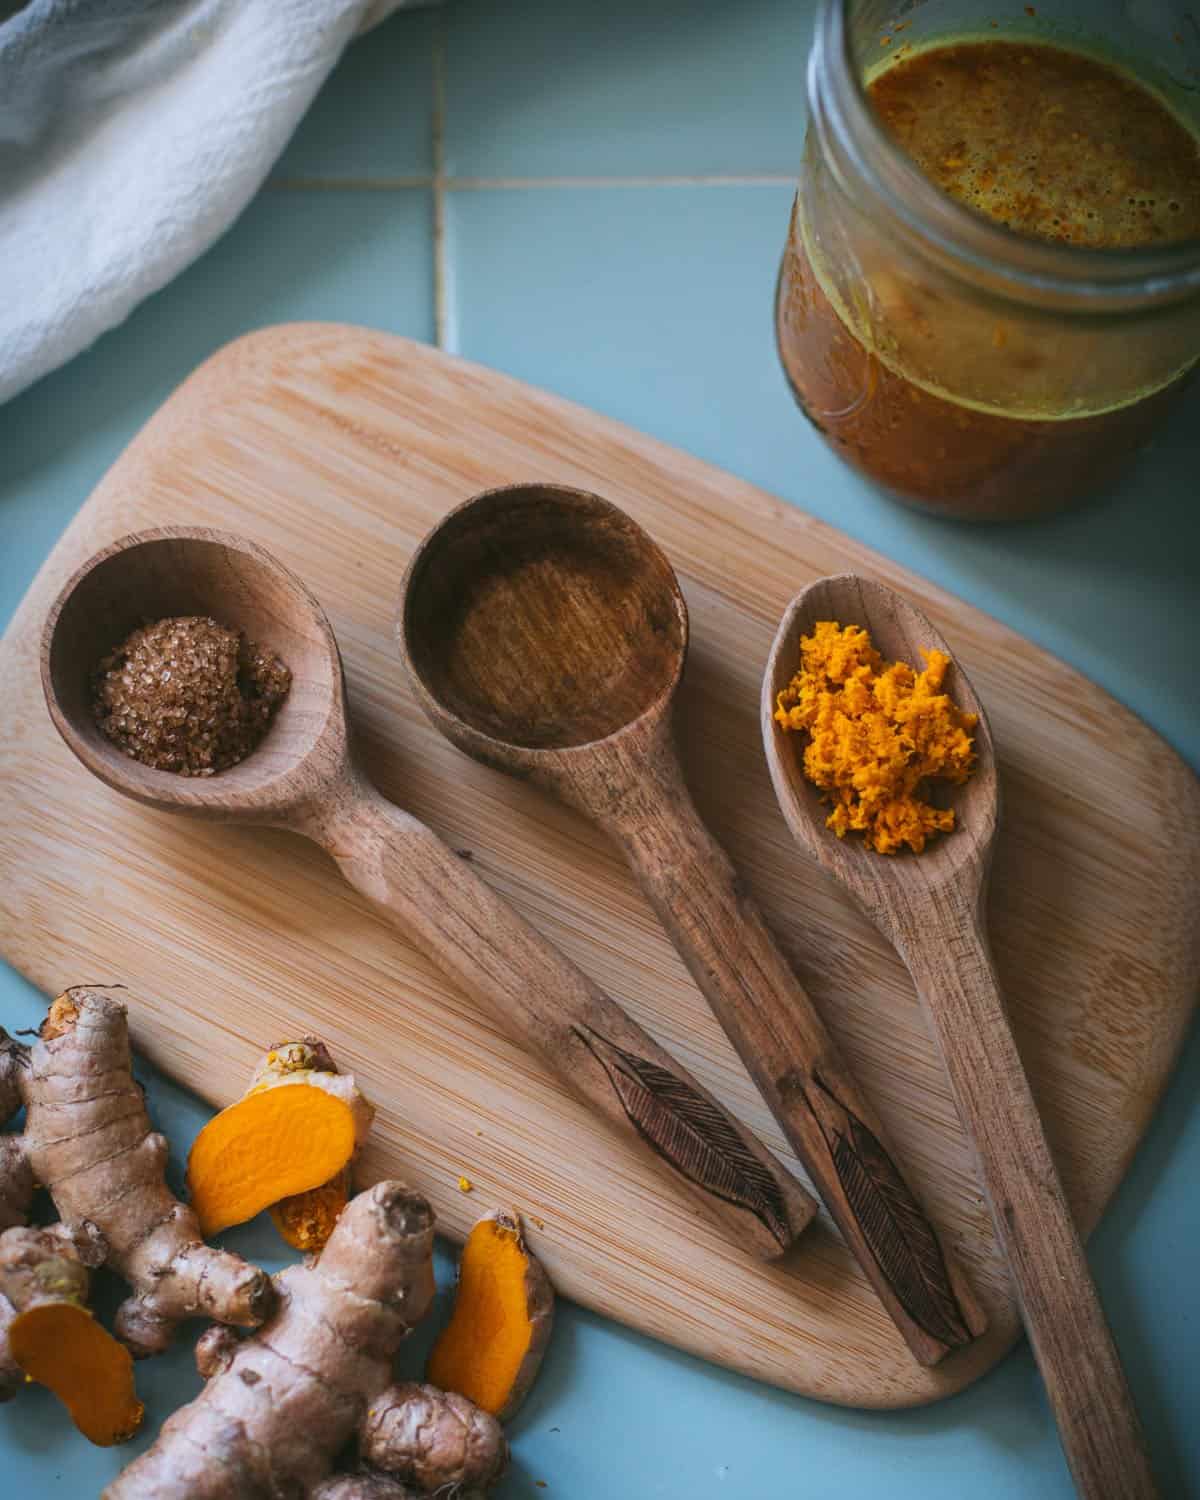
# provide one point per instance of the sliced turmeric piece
(61, 1346)
(294, 1132)
(52, 1337)
(305, 1220)
(492, 1348)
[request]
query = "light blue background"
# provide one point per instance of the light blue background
(615, 180)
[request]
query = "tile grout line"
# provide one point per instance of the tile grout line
(713, 179)
(448, 184)
(438, 133)
(346, 184)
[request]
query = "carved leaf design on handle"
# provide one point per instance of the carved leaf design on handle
(691, 1132)
(900, 1237)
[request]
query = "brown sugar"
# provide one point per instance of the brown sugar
(188, 695)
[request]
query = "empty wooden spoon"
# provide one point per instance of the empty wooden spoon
(545, 634)
(303, 776)
(932, 908)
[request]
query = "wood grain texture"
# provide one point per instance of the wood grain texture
(546, 634)
(338, 449)
(932, 908)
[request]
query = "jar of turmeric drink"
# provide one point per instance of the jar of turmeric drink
(991, 286)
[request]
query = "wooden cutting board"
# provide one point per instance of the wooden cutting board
(338, 448)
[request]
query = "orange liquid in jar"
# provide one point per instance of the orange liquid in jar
(1057, 146)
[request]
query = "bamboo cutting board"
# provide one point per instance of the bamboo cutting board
(337, 449)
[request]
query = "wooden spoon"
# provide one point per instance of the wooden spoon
(932, 908)
(545, 634)
(304, 777)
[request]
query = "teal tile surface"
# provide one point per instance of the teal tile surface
(544, 89)
(654, 305)
(356, 257)
(373, 117)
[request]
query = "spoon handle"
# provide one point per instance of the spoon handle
(539, 997)
(947, 952)
(724, 940)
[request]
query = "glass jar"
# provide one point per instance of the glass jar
(969, 369)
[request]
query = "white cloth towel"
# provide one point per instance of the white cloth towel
(132, 134)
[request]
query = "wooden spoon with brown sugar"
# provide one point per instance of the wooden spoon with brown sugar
(931, 906)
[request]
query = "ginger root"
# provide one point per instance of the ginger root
(87, 1139)
(492, 1348)
(287, 1145)
(280, 1404)
(50, 1336)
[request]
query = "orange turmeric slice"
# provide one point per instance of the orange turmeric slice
(48, 1334)
(295, 1131)
(61, 1346)
(492, 1348)
(305, 1220)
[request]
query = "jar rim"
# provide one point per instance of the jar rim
(862, 154)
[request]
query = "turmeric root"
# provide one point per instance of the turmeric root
(492, 1348)
(280, 1404)
(88, 1140)
(51, 1337)
(287, 1145)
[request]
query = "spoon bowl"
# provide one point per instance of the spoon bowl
(899, 632)
(194, 571)
(541, 618)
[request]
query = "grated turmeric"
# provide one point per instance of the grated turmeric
(877, 732)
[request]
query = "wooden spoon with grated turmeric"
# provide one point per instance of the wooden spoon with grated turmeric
(933, 909)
